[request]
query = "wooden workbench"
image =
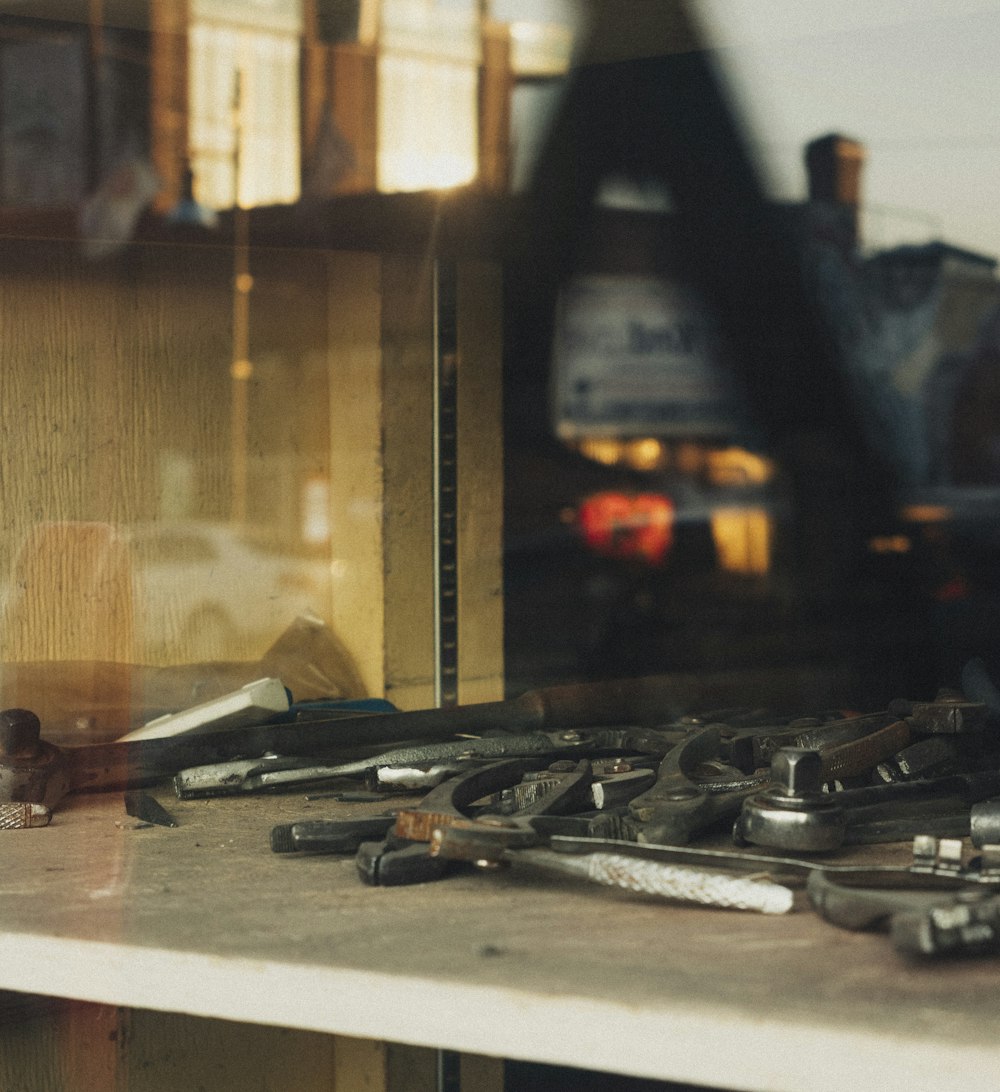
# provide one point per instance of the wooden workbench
(205, 920)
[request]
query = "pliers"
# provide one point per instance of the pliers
(396, 849)
(405, 855)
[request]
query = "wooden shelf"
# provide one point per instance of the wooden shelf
(203, 919)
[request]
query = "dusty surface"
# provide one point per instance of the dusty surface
(212, 886)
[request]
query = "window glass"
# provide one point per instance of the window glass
(244, 114)
(428, 95)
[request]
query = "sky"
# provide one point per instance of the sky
(917, 83)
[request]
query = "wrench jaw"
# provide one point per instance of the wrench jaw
(675, 821)
(677, 806)
(415, 849)
(394, 863)
(483, 840)
(682, 803)
(962, 922)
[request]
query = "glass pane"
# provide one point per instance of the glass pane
(427, 95)
(244, 111)
(123, 481)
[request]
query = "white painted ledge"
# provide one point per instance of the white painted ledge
(204, 920)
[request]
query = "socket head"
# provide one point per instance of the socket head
(19, 733)
(797, 771)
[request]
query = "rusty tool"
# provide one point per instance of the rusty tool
(404, 857)
(31, 770)
(582, 801)
(407, 855)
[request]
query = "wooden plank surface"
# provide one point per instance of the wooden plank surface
(204, 919)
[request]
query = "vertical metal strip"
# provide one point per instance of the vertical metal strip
(449, 1071)
(445, 483)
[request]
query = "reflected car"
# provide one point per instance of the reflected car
(208, 590)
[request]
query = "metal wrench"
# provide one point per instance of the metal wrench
(794, 814)
(963, 922)
(678, 805)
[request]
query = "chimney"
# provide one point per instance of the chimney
(833, 164)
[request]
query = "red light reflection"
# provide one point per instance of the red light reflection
(628, 526)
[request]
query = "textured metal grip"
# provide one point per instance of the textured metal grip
(864, 754)
(696, 885)
(19, 816)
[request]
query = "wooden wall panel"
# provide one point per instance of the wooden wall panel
(115, 409)
(76, 1046)
(356, 485)
(480, 483)
(408, 513)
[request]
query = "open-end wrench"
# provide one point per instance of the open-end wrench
(753, 748)
(678, 805)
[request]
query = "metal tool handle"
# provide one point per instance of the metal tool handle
(654, 699)
(586, 705)
(694, 885)
(17, 816)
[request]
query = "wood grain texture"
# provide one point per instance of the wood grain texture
(115, 401)
(356, 478)
(407, 462)
(480, 483)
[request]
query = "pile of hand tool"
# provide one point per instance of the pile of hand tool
(613, 783)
